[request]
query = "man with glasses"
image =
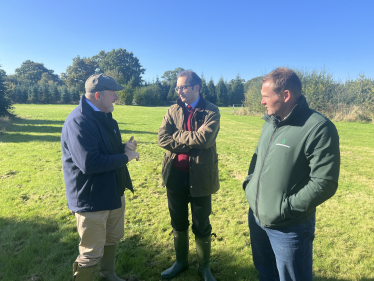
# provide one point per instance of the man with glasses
(190, 170)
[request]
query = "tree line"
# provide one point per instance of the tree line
(325, 95)
(34, 83)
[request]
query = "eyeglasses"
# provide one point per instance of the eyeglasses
(184, 88)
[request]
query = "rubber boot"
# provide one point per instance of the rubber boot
(106, 264)
(181, 250)
(83, 273)
(203, 245)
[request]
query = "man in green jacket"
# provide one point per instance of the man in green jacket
(294, 169)
(190, 170)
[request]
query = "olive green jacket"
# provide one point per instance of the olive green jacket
(201, 145)
(294, 169)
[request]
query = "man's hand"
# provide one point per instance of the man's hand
(131, 145)
(132, 155)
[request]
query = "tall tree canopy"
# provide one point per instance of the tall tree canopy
(77, 74)
(32, 72)
(123, 64)
(170, 76)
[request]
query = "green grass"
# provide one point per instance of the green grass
(38, 238)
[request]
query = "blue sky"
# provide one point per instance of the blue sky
(214, 38)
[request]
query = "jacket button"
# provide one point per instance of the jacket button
(191, 186)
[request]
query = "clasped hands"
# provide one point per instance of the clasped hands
(130, 148)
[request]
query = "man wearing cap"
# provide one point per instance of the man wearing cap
(190, 170)
(95, 173)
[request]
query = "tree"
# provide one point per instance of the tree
(44, 95)
(65, 95)
(212, 92)
(237, 90)
(127, 94)
(222, 93)
(124, 64)
(77, 74)
(172, 94)
(204, 91)
(54, 93)
(170, 76)
(74, 94)
(5, 102)
(32, 72)
(33, 94)
(253, 95)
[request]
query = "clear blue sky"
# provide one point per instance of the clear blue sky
(216, 38)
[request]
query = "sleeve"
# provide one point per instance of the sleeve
(83, 145)
(323, 154)
(251, 169)
(165, 136)
(201, 139)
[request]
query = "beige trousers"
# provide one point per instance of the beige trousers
(99, 229)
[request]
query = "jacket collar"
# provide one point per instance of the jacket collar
(300, 107)
(201, 105)
(87, 110)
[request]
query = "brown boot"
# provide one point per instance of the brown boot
(83, 273)
(107, 264)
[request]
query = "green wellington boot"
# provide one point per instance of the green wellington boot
(83, 273)
(181, 251)
(203, 255)
(106, 264)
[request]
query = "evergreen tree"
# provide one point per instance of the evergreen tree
(44, 95)
(212, 92)
(65, 95)
(54, 93)
(5, 102)
(204, 91)
(74, 94)
(237, 90)
(222, 94)
(33, 94)
(172, 95)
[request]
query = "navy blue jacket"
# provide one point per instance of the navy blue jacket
(89, 163)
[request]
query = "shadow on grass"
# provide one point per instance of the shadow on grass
(27, 130)
(147, 260)
(37, 249)
(40, 249)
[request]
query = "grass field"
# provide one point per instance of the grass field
(38, 238)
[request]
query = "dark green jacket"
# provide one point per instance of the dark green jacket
(200, 145)
(294, 169)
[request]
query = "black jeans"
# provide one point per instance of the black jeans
(178, 192)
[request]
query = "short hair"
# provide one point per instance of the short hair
(92, 94)
(284, 79)
(192, 77)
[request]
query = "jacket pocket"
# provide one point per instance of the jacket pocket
(285, 208)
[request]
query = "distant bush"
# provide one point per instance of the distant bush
(352, 100)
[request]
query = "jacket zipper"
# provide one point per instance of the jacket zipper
(263, 164)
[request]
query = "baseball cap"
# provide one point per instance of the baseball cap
(101, 82)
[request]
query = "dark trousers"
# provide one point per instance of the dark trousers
(178, 192)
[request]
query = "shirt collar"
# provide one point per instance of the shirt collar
(193, 105)
(92, 105)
